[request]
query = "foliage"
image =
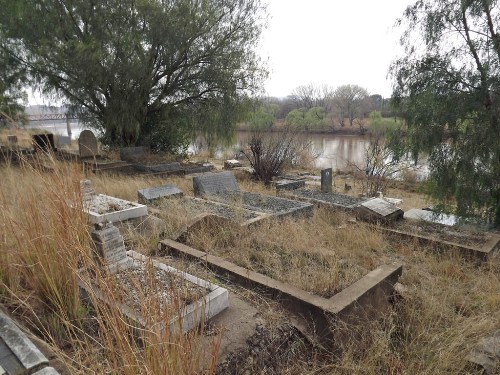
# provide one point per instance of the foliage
(314, 118)
(350, 102)
(447, 86)
(129, 63)
(263, 117)
(381, 125)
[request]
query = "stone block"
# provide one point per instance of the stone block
(430, 216)
(232, 163)
(290, 184)
(46, 371)
(210, 184)
(149, 195)
(102, 208)
(377, 209)
(87, 144)
(326, 180)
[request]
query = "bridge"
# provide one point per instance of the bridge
(55, 116)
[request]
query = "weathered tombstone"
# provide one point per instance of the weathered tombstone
(149, 195)
(378, 209)
(215, 184)
(12, 139)
(44, 142)
(231, 163)
(87, 144)
(132, 153)
(109, 246)
(86, 190)
(63, 140)
(290, 184)
(326, 180)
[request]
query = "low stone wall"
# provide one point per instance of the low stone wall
(364, 300)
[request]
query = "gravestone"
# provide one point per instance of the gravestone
(326, 180)
(87, 144)
(231, 163)
(132, 153)
(149, 195)
(44, 142)
(378, 209)
(86, 190)
(290, 184)
(215, 184)
(109, 246)
(63, 140)
(12, 139)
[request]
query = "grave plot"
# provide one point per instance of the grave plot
(222, 187)
(469, 243)
(325, 199)
(364, 299)
(102, 208)
(138, 286)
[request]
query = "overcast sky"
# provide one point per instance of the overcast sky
(332, 42)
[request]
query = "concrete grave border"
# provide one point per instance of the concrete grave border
(215, 301)
(361, 301)
(479, 253)
(137, 210)
(291, 194)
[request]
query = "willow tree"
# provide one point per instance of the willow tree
(138, 67)
(447, 86)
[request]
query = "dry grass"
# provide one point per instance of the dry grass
(447, 306)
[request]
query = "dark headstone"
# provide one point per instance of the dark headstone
(87, 144)
(326, 180)
(215, 184)
(44, 142)
(132, 153)
(148, 195)
(63, 140)
(290, 184)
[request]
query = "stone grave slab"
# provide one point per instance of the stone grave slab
(163, 167)
(44, 142)
(87, 144)
(417, 214)
(232, 163)
(211, 184)
(286, 184)
(150, 195)
(377, 209)
(214, 300)
(132, 153)
(485, 355)
(110, 247)
(101, 208)
(326, 180)
(330, 200)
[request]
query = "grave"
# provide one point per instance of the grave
(430, 216)
(211, 184)
(158, 168)
(87, 144)
(132, 153)
(326, 180)
(149, 195)
(286, 184)
(485, 356)
(323, 199)
(377, 209)
(44, 142)
(102, 208)
(12, 139)
(109, 247)
(232, 163)
(63, 140)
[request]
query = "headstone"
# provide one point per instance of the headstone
(231, 163)
(326, 180)
(132, 153)
(87, 144)
(378, 209)
(12, 138)
(290, 184)
(86, 190)
(149, 195)
(63, 140)
(486, 354)
(215, 184)
(109, 245)
(44, 142)
(430, 216)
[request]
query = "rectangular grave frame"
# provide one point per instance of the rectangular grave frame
(214, 302)
(292, 194)
(476, 253)
(358, 303)
(138, 210)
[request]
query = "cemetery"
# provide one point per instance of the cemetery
(255, 274)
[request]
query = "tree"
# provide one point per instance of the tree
(137, 66)
(349, 100)
(448, 88)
